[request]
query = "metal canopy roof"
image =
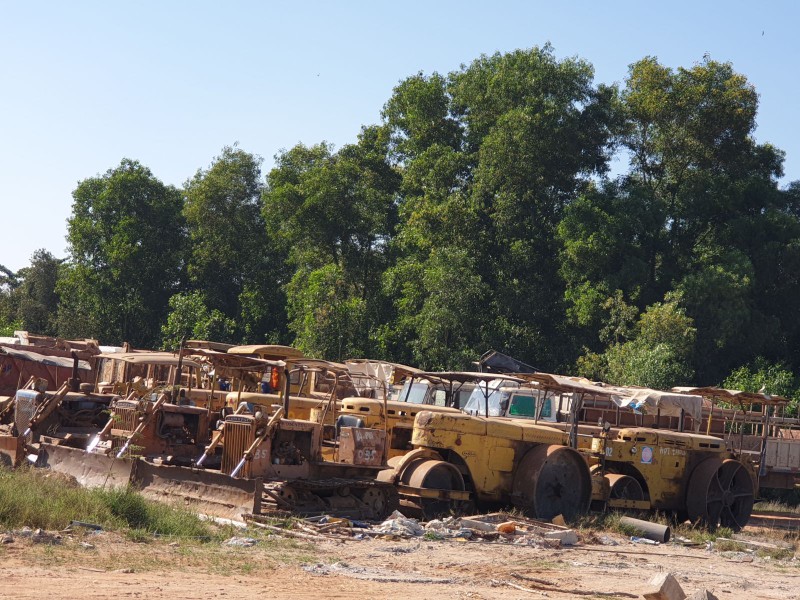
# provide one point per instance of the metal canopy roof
(716, 393)
(272, 351)
(466, 376)
(151, 358)
(51, 361)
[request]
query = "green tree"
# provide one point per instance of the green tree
(333, 213)
(8, 309)
(657, 355)
(189, 317)
(326, 314)
(699, 213)
(37, 301)
(765, 377)
(230, 259)
(126, 237)
(490, 156)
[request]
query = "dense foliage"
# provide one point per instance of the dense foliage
(478, 213)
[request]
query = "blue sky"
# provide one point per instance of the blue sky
(85, 84)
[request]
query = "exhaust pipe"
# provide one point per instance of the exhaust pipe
(74, 381)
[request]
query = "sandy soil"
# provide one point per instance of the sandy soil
(107, 566)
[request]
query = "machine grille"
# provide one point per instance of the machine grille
(24, 407)
(239, 435)
(125, 417)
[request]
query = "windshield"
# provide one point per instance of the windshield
(476, 405)
(416, 394)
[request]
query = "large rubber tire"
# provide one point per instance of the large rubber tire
(551, 481)
(720, 493)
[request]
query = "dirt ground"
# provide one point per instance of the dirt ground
(106, 565)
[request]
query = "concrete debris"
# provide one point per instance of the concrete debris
(478, 525)
(450, 527)
(494, 527)
(733, 556)
(371, 574)
(665, 587)
(702, 595)
(607, 541)
(43, 537)
(87, 546)
(400, 525)
(568, 537)
(401, 549)
(7, 539)
(241, 542)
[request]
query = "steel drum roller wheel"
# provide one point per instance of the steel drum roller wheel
(720, 493)
(624, 487)
(739, 495)
(433, 474)
(551, 481)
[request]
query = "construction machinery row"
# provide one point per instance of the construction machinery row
(254, 429)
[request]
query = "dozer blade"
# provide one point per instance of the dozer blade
(206, 492)
(12, 450)
(91, 470)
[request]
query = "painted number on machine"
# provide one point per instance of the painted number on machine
(367, 454)
(673, 451)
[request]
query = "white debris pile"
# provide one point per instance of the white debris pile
(499, 527)
(400, 525)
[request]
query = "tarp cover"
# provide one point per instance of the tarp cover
(669, 404)
(371, 375)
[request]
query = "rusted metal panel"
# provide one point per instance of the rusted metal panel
(89, 469)
(361, 446)
(501, 458)
(12, 450)
(204, 491)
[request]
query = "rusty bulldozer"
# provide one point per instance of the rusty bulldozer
(34, 418)
(231, 464)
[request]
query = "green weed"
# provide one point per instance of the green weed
(42, 499)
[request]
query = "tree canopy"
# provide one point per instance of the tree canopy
(479, 212)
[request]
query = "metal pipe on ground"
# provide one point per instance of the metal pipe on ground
(648, 530)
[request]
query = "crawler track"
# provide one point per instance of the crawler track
(349, 498)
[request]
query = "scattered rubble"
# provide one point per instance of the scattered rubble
(400, 525)
(666, 587)
(371, 574)
(242, 542)
(498, 527)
